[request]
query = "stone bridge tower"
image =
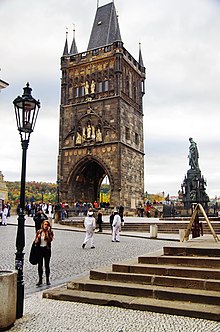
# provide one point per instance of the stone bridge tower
(101, 117)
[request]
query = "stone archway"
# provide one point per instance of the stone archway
(85, 181)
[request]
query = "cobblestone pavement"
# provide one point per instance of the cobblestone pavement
(49, 315)
(68, 261)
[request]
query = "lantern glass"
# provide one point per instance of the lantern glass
(26, 111)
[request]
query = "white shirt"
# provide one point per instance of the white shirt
(89, 222)
(117, 220)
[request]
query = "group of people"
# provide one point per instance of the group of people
(5, 213)
(42, 215)
(45, 235)
(32, 208)
(90, 225)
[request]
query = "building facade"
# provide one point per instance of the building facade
(3, 189)
(101, 118)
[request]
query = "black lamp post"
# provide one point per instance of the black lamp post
(26, 112)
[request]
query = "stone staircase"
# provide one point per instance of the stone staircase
(163, 226)
(180, 280)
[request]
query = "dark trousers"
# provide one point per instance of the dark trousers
(45, 254)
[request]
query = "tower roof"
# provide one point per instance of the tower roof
(73, 49)
(65, 51)
(105, 28)
(141, 62)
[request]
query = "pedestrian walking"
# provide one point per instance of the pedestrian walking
(116, 227)
(9, 210)
(4, 215)
(50, 210)
(43, 238)
(99, 220)
(121, 213)
(39, 218)
(90, 225)
(111, 218)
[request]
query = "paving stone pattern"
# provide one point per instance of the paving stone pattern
(48, 315)
(69, 260)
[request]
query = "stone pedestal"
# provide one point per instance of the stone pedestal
(153, 231)
(193, 189)
(8, 299)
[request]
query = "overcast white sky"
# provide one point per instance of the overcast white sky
(181, 52)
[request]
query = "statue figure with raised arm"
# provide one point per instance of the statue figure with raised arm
(193, 155)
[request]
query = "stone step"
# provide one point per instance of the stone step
(206, 262)
(168, 270)
(163, 227)
(152, 283)
(155, 280)
(191, 251)
(148, 291)
(204, 311)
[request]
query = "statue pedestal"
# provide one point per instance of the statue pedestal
(193, 189)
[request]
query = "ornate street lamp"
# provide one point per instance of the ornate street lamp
(26, 112)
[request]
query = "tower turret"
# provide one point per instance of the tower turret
(65, 51)
(73, 49)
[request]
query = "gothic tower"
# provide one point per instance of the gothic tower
(101, 117)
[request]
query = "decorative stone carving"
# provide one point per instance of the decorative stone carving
(92, 87)
(78, 138)
(98, 135)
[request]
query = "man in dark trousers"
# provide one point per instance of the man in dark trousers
(39, 218)
(121, 212)
(99, 220)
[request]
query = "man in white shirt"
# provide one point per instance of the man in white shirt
(116, 227)
(4, 215)
(90, 226)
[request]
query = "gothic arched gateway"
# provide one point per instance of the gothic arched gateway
(101, 117)
(85, 180)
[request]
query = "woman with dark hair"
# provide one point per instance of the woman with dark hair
(43, 239)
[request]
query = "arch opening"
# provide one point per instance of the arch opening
(88, 183)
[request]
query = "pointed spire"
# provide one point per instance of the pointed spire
(65, 51)
(141, 62)
(105, 28)
(73, 49)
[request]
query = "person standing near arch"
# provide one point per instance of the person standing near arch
(90, 226)
(116, 227)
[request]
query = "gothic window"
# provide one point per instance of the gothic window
(136, 139)
(64, 78)
(106, 85)
(82, 90)
(76, 92)
(134, 91)
(127, 85)
(127, 133)
(100, 86)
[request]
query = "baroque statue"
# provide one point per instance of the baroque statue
(193, 155)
